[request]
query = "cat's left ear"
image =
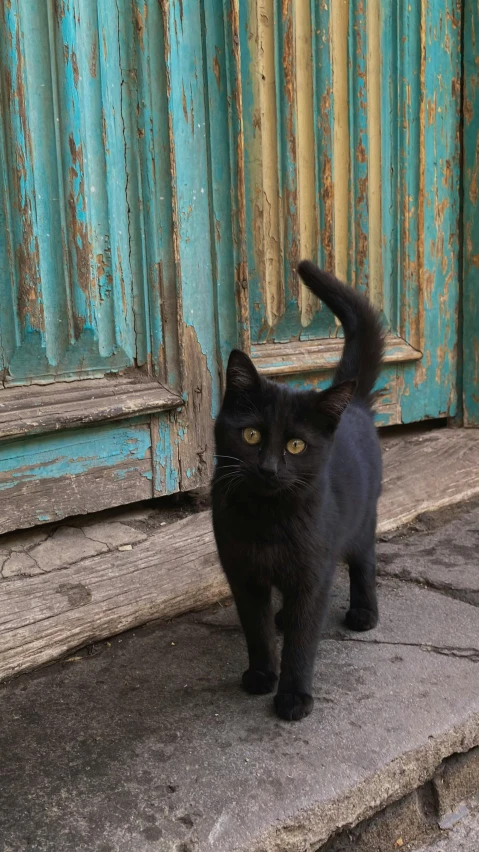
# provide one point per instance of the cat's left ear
(332, 402)
(241, 374)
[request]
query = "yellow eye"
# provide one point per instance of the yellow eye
(295, 446)
(251, 436)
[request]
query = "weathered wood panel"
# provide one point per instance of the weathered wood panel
(376, 197)
(66, 226)
(470, 190)
(177, 569)
(121, 231)
(74, 471)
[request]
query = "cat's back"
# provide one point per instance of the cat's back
(357, 452)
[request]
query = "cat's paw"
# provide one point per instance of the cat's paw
(293, 706)
(259, 683)
(361, 619)
(279, 620)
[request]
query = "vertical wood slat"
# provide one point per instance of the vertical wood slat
(389, 44)
(285, 16)
(339, 25)
(358, 269)
(411, 153)
(470, 308)
(9, 331)
(317, 71)
(224, 148)
(324, 122)
(305, 144)
(374, 124)
(269, 211)
(17, 147)
(431, 385)
(183, 447)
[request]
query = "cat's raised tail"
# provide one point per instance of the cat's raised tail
(363, 334)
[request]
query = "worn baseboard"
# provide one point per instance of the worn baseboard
(176, 569)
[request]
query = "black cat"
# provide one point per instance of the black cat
(295, 489)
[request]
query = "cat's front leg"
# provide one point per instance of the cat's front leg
(303, 613)
(254, 605)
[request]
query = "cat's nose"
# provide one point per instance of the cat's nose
(269, 468)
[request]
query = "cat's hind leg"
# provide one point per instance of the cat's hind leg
(363, 606)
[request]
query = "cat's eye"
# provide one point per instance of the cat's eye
(295, 446)
(251, 436)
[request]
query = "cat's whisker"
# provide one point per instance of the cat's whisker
(231, 474)
(233, 484)
(226, 476)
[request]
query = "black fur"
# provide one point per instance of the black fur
(285, 520)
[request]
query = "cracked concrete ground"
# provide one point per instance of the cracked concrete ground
(463, 836)
(147, 742)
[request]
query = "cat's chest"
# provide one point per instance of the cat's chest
(267, 546)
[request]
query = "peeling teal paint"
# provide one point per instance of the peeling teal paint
(358, 273)
(73, 452)
(470, 307)
(188, 117)
(222, 116)
(165, 465)
(430, 387)
(66, 229)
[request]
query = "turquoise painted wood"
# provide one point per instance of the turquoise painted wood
(470, 312)
(118, 235)
(154, 202)
(416, 54)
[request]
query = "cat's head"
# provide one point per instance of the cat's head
(271, 439)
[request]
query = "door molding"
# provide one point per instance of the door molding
(317, 356)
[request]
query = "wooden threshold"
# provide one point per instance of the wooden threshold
(37, 409)
(312, 356)
(177, 569)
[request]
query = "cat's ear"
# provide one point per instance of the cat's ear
(332, 402)
(241, 374)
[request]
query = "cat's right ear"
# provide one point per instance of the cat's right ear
(241, 374)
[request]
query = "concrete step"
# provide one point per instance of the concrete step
(147, 742)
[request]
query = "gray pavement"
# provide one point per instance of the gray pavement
(148, 743)
(463, 836)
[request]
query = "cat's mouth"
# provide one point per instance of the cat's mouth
(268, 488)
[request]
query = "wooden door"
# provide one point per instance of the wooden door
(108, 320)
(351, 115)
(163, 167)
